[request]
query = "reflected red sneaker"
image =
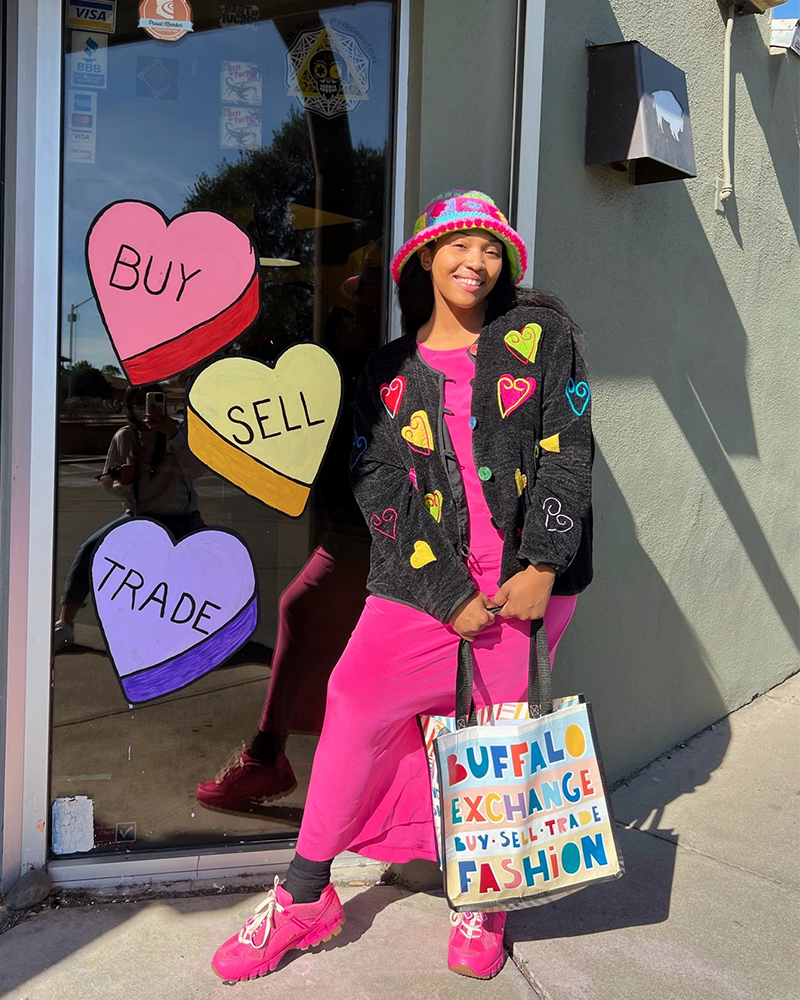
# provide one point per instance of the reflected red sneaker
(277, 926)
(476, 944)
(245, 782)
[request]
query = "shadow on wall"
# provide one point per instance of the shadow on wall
(638, 267)
(775, 117)
(634, 656)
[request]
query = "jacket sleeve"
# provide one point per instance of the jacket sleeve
(405, 536)
(561, 497)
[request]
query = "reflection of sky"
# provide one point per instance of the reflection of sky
(154, 149)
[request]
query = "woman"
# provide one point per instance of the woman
(150, 469)
(472, 465)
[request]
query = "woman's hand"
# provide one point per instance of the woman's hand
(526, 594)
(471, 616)
(158, 421)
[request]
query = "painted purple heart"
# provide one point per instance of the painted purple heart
(171, 612)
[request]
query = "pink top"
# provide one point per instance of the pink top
(485, 541)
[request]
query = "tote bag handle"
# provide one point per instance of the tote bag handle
(540, 692)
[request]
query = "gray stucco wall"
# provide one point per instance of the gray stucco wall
(692, 327)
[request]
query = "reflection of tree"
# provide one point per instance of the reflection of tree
(255, 190)
(87, 381)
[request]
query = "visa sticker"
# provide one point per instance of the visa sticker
(92, 15)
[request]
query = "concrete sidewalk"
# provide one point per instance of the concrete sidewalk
(708, 908)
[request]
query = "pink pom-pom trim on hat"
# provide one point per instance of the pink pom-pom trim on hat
(447, 213)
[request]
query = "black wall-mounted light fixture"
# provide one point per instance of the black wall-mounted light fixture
(637, 114)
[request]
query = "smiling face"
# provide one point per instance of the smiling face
(464, 267)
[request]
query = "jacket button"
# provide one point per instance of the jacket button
(473, 423)
(484, 473)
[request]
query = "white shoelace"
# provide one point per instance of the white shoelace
(264, 913)
(471, 924)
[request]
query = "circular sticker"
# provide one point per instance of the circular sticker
(166, 20)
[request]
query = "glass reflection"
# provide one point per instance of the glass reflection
(233, 118)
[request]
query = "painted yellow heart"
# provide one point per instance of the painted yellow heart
(422, 555)
(433, 501)
(263, 428)
(521, 481)
(553, 443)
(417, 433)
(524, 343)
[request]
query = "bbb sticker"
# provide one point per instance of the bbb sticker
(89, 64)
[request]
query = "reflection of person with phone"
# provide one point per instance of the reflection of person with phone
(150, 468)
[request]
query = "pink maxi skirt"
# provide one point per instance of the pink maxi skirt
(370, 789)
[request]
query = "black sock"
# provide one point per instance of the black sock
(266, 747)
(306, 880)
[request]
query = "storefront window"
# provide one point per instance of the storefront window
(276, 116)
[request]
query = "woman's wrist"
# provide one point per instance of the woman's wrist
(541, 568)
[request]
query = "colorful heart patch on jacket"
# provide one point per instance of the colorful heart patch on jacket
(552, 443)
(512, 393)
(392, 394)
(578, 395)
(386, 523)
(524, 343)
(555, 519)
(433, 501)
(422, 555)
(417, 433)
(359, 447)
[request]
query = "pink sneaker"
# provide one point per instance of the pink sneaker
(476, 944)
(277, 926)
(244, 783)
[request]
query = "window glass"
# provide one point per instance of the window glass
(275, 116)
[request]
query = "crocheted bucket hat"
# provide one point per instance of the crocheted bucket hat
(454, 211)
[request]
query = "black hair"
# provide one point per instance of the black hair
(135, 395)
(415, 294)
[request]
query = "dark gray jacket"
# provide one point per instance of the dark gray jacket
(533, 448)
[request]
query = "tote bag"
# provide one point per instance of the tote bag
(519, 795)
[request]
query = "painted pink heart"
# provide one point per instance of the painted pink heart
(388, 521)
(512, 392)
(392, 394)
(170, 292)
(455, 772)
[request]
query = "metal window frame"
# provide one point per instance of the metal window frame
(528, 88)
(400, 148)
(28, 462)
(28, 431)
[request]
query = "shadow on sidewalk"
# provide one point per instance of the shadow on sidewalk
(58, 932)
(642, 896)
